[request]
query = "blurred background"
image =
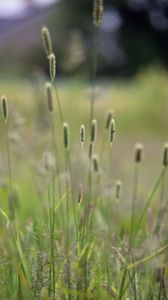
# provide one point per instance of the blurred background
(131, 79)
(133, 35)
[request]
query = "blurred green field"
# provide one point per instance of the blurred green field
(140, 108)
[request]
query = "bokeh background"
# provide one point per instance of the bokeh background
(131, 79)
(133, 35)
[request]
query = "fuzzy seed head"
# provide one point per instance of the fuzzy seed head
(4, 106)
(98, 9)
(138, 153)
(119, 256)
(95, 160)
(46, 38)
(109, 117)
(49, 96)
(91, 148)
(93, 131)
(66, 136)
(82, 134)
(111, 131)
(118, 189)
(80, 193)
(165, 155)
(52, 66)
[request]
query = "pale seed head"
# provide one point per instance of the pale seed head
(52, 66)
(95, 160)
(80, 193)
(4, 106)
(138, 153)
(98, 9)
(111, 131)
(93, 131)
(165, 155)
(46, 38)
(82, 134)
(118, 189)
(91, 148)
(66, 136)
(109, 117)
(49, 96)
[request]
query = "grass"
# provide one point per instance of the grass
(66, 230)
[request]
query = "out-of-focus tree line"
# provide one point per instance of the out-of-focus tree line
(133, 35)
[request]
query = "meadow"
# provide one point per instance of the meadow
(83, 191)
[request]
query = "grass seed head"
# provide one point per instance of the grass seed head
(93, 131)
(80, 193)
(95, 160)
(109, 117)
(91, 148)
(46, 38)
(112, 131)
(98, 9)
(165, 155)
(66, 135)
(119, 257)
(4, 105)
(49, 95)
(82, 134)
(118, 189)
(52, 66)
(139, 148)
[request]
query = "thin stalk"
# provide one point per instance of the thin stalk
(108, 221)
(88, 201)
(86, 230)
(150, 198)
(72, 192)
(94, 70)
(80, 265)
(162, 208)
(9, 159)
(51, 238)
(53, 213)
(134, 200)
(59, 106)
(103, 145)
(67, 229)
(55, 150)
(122, 290)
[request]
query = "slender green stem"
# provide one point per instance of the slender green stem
(51, 238)
(9, 159)
(103, 144)
(150, 198)
(162, 209)
(109, 215)
(67, 228)
(134, 200)
(59, 105)
(121, 291)
(94, 69)
(53, 212)
(72, 190)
